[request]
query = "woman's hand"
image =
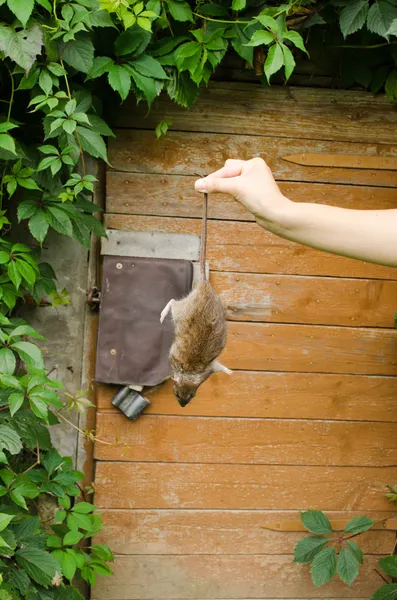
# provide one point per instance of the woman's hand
(369, 235)
(252, 184)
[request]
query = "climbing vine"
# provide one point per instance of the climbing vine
(65, 66)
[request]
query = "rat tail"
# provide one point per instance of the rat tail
(203, 248)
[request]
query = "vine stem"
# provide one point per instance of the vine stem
(220, 20)
(371, 47)
(10, 103)
(63, 418)
(76, 132)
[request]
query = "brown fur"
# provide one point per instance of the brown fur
(200, 333)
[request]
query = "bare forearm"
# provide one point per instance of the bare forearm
(368, 235)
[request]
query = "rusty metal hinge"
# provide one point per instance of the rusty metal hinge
(94, 298)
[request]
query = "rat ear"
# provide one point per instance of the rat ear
(218, 367)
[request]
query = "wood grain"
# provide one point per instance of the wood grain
(305, 113)
(180, 153)
(234, 576)
(228, 487)
(214, 532)
(174, 196)
(278, 395)
(307, 300)
(245, 441)
(261, 347)
(246, 247)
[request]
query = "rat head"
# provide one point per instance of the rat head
(187, 384)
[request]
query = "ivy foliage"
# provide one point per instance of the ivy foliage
(334, 553)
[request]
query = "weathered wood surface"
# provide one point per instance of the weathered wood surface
(286, 112)
(180, 153)
(234, 576)
(246, 247)
(174, 196)
(228, 487)
(259, 346)
(310, 300)
(246, 441)
(278, 395)
(214, 532)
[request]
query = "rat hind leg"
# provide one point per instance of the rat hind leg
(166, 310)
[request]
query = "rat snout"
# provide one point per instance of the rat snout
(184, 395)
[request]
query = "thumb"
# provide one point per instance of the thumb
(221, 185)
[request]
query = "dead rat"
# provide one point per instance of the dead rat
(200, 331)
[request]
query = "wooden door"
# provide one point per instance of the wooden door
(309, 417)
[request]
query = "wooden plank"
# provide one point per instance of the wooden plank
(287, 525)
(246, 247)
(281, 111)
(174, 196)
(234, 576)
(181, 153)
(214, 532)
(245, 441)
(344, 160)
(259, 347)
(266, 487)
(314, 300)
(279, 395)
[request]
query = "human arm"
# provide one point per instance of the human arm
(369, 235)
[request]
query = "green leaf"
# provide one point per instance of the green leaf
(348, 566)
(306, 549)
(39, 408)
(4, 257)
(99, 126)
(146, 84)
(289, 61)
(92, 143)
(323, 566)
(25, 330)
(28, 183)
(10, 440)
(7, 361)
(30, 354)
(268, 22)
(239, 4)
(39, 565)
(387, 592)
(83, 508)
(51, 461)
(7, 141)
(149, 66)
(45, 82)
(316, 521)
(26, 271)
(274, 60)
(101, 65)
(26, 209)
(180, 11)
(5, 520)
(46, 162)
(79, 53)
(22, 46)
(69, 126)
(261, 37)
(72, 538)
(15, 401)
(296, 39)
(59, 220)
(77, 520)
(359, 525)
(389, 565)
(69, 565)
(22, 9)
(380, 17)
(38, 226)
(101, 568)
(131, 41)
(356, 551)
(119, 80)
(103, 552)
(353, 16)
